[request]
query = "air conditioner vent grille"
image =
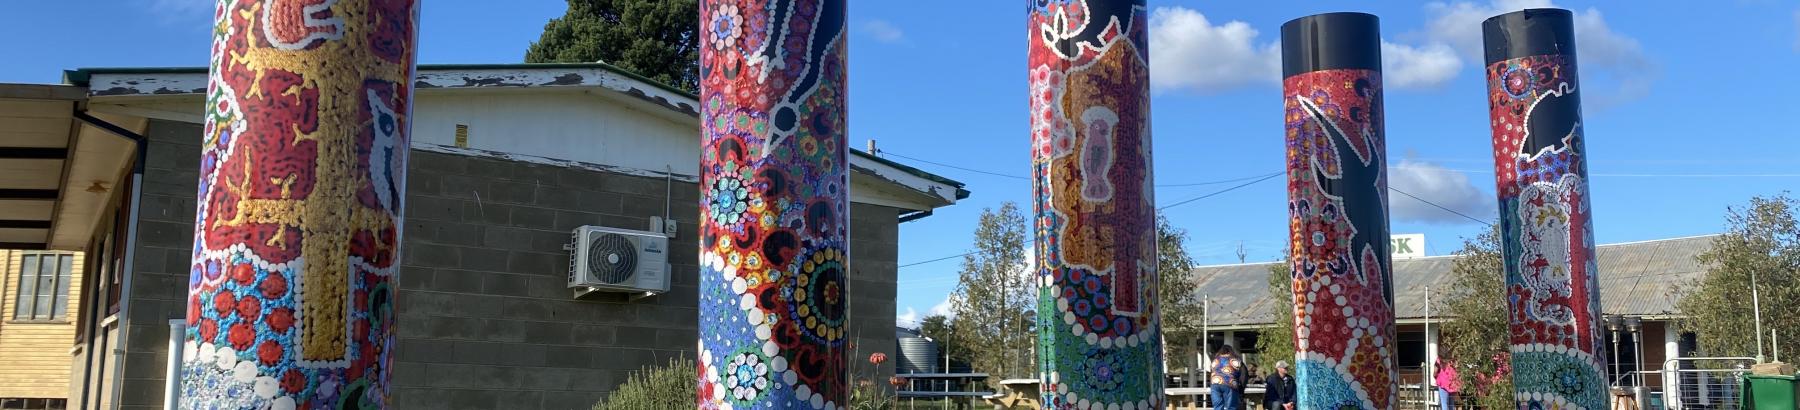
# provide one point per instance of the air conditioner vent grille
(612, 258)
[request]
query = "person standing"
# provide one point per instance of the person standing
(1228, 375)
(1447, 384)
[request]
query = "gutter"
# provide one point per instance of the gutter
(914, 216)
(128, 269)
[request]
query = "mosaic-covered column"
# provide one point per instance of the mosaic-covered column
(1338, 218)
(298, 227)
(1546, 236)
(1099, 334)
(774, 207)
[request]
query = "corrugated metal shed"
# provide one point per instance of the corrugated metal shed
(1636, 279)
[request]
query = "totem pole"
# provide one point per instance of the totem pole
(298, 224)
(774, 205)
(1099, 334)
(1337, 205)
(1546, 236)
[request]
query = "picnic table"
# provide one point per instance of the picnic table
(956, 387)
(1188, 398)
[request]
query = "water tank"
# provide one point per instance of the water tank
(918, 355)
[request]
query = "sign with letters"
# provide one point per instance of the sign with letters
(1411, 245)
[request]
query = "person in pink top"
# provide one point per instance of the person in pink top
(1447, 384)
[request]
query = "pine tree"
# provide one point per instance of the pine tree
(653, 38)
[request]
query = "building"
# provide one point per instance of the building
(506, 161)
(1637, 280)
(38, 299)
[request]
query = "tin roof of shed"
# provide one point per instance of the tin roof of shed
(1636, 279)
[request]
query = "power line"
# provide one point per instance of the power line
(1224, 181)
(1215, 193)
(953, 166)
(1435, 205)
(944, 258)
(1220, 192)
(1004, 175)
(1253, 180)
(1644, 175)
(1183, 202)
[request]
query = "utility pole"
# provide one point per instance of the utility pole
(1756, 313)
(1205, 339)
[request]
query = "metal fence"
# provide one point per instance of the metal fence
(1702, 383)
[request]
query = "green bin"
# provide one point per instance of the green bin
(1770, 392)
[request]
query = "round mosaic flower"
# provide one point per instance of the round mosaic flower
(819, 294)
(729, 198)
(726, 27)
(1517, 81)
(1105, 372)
(747, 376)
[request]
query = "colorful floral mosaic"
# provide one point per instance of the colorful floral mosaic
(1546, 234)
(774, 201)
(297, 234)
(1337, 203)
(1099, 340)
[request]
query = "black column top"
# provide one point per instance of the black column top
(1330, 41)
(1528, 32)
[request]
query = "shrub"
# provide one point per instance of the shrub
(673, 386)
(670, 386)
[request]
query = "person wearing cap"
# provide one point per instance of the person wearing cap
(1280, 390)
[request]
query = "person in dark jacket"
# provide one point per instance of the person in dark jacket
(1280, 394)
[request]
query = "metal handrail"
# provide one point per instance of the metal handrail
(1672, 371)
(1667, 363)
(1639, 377)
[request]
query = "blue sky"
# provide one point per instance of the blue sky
(1683, 104)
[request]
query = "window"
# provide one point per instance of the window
(33, 404)
(43, 286)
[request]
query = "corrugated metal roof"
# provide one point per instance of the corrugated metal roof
(1636, 279)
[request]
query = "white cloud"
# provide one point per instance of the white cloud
(1459, 24)
(1428, 66)
(912, 317)
(908, 319)
(1445, 187)
(883, 31)
(943, 308)
(1189, 52)
(1615, 59)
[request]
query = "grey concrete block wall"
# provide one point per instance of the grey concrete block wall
(158, 285)
(485, 316)
(485, 320)
(874, 244)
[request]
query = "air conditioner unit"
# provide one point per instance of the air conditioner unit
(619, 260)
